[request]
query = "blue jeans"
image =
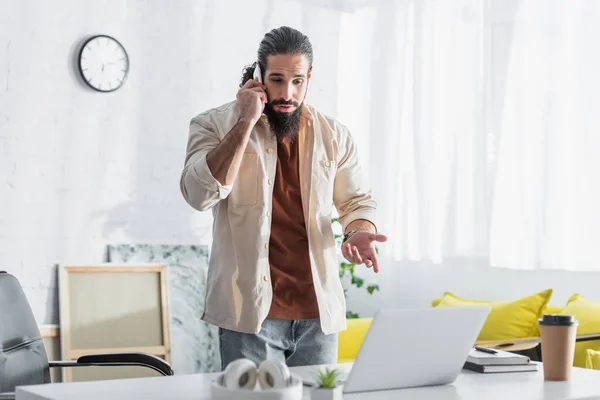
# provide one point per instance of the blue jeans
(300, 342)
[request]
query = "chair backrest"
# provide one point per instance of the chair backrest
(23, 359)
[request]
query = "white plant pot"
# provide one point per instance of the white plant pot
(326, 394)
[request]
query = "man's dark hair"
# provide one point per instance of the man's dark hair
(283, 40)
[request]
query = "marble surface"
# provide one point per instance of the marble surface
(194, 343)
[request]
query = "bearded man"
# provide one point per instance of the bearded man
(271, 167)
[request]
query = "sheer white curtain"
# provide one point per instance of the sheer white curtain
(483, 129)
(421, 62)
(546, 202)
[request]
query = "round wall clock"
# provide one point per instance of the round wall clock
(103, 63)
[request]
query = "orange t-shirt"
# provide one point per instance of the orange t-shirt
(294, 295)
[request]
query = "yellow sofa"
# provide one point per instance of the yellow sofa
(350, 340)
(518, 319)
(508, 320)
(593, 359)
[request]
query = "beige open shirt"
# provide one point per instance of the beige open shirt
(239, 292)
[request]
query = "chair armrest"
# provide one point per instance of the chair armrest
(118, 359)
(587, 337)
(7, 395)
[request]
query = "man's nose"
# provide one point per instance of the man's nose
(287, 93)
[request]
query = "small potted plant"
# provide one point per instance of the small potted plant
(327, 385)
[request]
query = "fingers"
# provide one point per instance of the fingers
(352, 254)
(356, 255)
(375, 263)
(346, 252)
(261, 92)
(371, 261)
(258, 89)
(251, 83)
(378, 237)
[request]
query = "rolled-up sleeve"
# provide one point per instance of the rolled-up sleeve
(198, 185)
(352, 195)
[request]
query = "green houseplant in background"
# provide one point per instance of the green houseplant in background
(347, 269)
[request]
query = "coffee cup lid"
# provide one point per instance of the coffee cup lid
(558, 319)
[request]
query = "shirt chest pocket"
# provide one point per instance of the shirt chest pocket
(245, 188)
(325, 178)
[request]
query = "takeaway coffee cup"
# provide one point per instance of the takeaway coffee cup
(558, 334)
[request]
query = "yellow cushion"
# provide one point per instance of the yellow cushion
(553, 309)
(350, 340)
(593, 359)
(507, 319)
(588, 314)
(547, 310)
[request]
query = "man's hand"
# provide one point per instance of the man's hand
(360, 249)
(252, 98)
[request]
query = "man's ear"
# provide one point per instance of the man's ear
(309, 75)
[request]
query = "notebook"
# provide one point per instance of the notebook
(496, 357)
(500, 368)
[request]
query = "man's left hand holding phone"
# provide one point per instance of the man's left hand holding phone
(224, 161)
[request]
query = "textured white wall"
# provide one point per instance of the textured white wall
(80, 169)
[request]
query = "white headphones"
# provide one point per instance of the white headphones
(243, 374)
(273, 374)
(240, 374)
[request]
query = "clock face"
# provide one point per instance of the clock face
(103, 63)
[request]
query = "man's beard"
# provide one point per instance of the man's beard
(284, 125)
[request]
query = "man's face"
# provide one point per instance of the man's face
(286, 78)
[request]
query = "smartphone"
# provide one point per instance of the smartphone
(258, 73)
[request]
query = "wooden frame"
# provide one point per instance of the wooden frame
(69, 274)
(49, 331)
(51, 337)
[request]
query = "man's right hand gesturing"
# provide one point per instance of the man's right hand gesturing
(252, 98)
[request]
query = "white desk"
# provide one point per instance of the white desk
(584, 384)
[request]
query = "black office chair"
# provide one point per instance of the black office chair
(23, 359)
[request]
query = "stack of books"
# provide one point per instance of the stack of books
(486, 360)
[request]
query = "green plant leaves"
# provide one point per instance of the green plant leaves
(327, 378)
(356, 281)
(372, 288)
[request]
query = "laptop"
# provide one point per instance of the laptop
(406, 348)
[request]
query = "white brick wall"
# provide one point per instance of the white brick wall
(80, 169)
